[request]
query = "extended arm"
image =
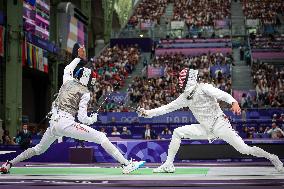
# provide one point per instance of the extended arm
(180, 102)
(68, 70)
(82, 112)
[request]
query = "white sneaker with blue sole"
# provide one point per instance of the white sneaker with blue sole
(132, 166)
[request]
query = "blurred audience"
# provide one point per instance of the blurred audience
(260, 41)
(24, 137)
(103, 130)
(268, 82)
(149, 134)
(166, 131)
(153, 92)
(113, 66)
(265, 10)
(6, 138)
(148, 11)
(115, 131)
(275, 132)
(125, 131)
(201, 13)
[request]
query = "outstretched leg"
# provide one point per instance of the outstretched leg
(194, 131)
(224, 130)
(83, 132)
(47, 139)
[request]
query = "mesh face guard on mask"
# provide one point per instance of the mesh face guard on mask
(83, 75)
(188, 79)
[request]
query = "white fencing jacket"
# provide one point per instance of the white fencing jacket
(203, 104)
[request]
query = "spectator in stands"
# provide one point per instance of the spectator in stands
(115, 131)
(166, 131)
(103, 130)
(202, 13)
(245, 132)
(153, 92)
(149, 12)
(265, 10)
(268, 84)
(24, 137)
(260, 132)
(112, 67)
(275, 132)
(125, 131)
(7, 140)
(149, 133)
(274, 118)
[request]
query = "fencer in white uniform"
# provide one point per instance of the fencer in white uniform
(201, 99)
(73, 97)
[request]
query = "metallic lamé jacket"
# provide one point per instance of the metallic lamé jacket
(69, 96)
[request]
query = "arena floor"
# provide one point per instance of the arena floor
(104, 176)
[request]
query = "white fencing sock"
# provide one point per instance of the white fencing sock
(258, 152)
(114, 152)
(24, 155)
(173, 148)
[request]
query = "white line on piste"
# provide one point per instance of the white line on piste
(6, 152)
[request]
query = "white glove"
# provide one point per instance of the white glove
(93, 118)
(142, 112)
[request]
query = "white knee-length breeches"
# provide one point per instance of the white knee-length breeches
(66, 126)
(222, 129)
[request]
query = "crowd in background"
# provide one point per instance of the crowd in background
(267, 42)
(265, 10)
(148, 11)
(28, 136)
(201, 13)
(154, 92)
(272, 130)
(113, 66)
(269, 84)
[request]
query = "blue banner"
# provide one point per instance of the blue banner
(155, 72)
(117, 97)
(44, 44)
(224, 69)
(132, 117)
(182, 116)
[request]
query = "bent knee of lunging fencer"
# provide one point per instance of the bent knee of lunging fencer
(178, 133)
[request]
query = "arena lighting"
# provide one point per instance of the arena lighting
(141, 35)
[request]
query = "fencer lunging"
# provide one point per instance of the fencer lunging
(201, 98)
(73, 97)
